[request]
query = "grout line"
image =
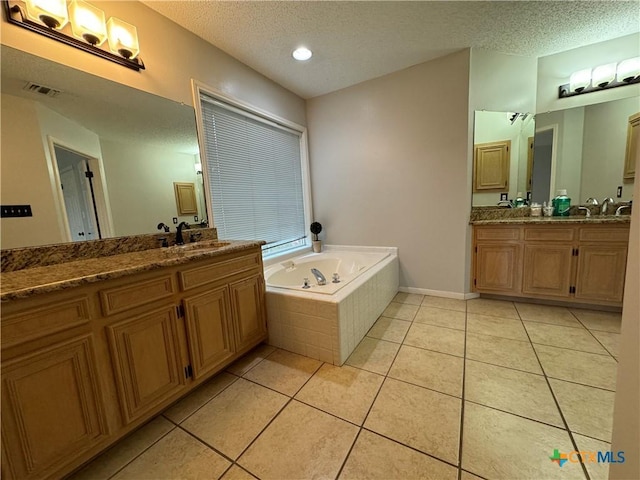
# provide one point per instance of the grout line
(140, 454)
(607, 354)
(553, 395)
(464, 371)
(471, 473)
(344, 462)
(598, 340)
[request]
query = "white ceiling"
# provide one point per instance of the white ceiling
(356, 41)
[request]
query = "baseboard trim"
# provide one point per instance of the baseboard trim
(439, 293)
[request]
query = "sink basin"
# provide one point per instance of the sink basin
(193, 248)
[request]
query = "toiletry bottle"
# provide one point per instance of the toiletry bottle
(562, 204)
(519, 200)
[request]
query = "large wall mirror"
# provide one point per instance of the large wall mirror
(582, 150)
(585, 148)
(502, 156)
(92, 158)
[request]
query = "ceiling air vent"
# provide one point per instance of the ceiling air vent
(42, 89)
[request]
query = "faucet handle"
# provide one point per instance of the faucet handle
(305, 283)
(164, 243)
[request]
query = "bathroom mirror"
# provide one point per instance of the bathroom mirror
(515, 130)
(57, 122)
(588, 148)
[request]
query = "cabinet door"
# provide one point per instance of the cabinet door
(145, 354)
(547, 270)
(52, 410)
(247, 297)
(491, 166)
(208, 322)
(633, 148)
(498, 268)
(601, 271)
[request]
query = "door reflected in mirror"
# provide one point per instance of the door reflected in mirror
(137, 145)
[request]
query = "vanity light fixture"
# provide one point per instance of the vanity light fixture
(302, 54)
(82, 26)
(602, 77)
(87, 22)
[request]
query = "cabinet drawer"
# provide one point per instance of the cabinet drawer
(498, 233)
(198, 276)
(549, 234)
(131, 295)
(604, 234)
(44, 320)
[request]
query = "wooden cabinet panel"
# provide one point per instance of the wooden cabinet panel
(601, 272)
(131, 295)
(247, 298)
(145, 354)
(549, 234)
(633, 148)
(44, 320)
(491, 163)
(198, 276)
(547, 270)
(52, 409)
(498, 268)
(498, 233)
(604, 234)
(208, 320)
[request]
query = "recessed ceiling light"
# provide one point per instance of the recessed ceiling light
(302, 54)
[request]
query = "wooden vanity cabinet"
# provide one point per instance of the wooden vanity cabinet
(83, 367)
(579, 263)
(52, 403)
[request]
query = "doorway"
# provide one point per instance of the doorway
(79, 193)
(543, 170)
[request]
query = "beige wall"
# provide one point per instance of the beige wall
(555, 70)
(140, 184)
(389, 167)
(173, 56)
(24, 180)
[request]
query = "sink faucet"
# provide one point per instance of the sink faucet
(319, 276)
(619, 209)
(587, 212)
(605, 205)
(179, 239)
(506, 203)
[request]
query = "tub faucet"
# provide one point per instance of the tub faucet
(319, 276)
(179, 239)
(605, 205)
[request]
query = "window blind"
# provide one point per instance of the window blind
(254, 175)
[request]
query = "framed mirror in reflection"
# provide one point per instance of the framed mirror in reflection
(93, 158)
(502, 156)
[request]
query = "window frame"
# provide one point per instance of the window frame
(199, 88)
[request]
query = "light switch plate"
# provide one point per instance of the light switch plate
(504, 196)
(175, 220)
(619, 194)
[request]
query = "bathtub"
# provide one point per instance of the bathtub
(327, 322)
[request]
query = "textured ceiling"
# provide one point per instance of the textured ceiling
(356, 41)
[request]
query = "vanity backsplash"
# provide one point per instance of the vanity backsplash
(41, 256)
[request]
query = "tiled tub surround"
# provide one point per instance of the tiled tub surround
(439, 389)
(328, 327)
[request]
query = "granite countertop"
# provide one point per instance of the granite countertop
(594, 219)
(45, 279)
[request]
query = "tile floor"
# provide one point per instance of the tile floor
(439, 389)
